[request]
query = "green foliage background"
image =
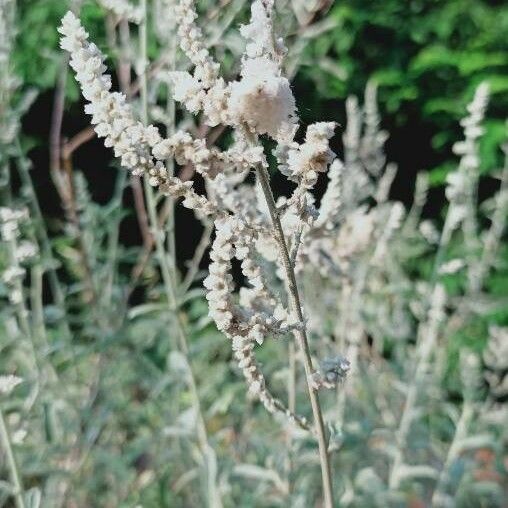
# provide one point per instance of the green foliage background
(427, 57)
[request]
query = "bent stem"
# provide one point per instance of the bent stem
(12, 463)
(300, 335)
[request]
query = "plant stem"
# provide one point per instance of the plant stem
(438, 497)
(292, 408)
(170, 287)
(300, 335)
(427, 336)
(193, 267)
(54, 283)
(12, 463)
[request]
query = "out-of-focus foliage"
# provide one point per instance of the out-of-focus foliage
(427, 57)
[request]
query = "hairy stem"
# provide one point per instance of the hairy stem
(300, 335)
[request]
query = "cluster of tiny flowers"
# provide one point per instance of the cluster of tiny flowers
(202, 90)
(460, 182)
(9, 120)
(261, 101)
(191, 41)
(452, 266)
(390, 226)
(305, 161)
(332, 198)
(123, 10)
(372, 143)
(247, 324)
(219, 281)
(21, 252)
(243, 347)
(10, 221)
(495, 355)
(456, 193)
(112, 117)
(429, 231)
(12, 278)
(472, 128)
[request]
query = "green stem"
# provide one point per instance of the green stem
(12, 463)
(56, 289)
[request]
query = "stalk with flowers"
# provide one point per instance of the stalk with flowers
(372, 337)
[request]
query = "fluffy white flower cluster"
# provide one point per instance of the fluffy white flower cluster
(305, 161)
(123, 10)
(261, 100)
(258, 313)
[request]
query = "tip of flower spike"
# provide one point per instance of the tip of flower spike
(68, 19)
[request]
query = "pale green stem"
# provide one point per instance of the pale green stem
(426, 340)
(114, 232)
(196, 259)
(37, 304)
(12, 463)
(54, 283)
(461, 430)
(170, 165)
(292, 408)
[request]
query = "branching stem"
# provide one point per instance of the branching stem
(300, 335)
